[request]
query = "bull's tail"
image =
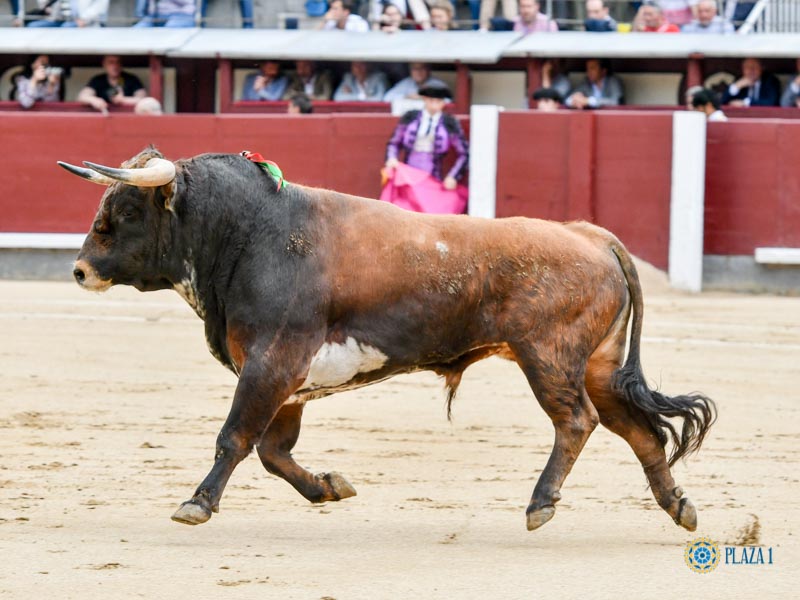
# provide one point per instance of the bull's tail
(697, 410)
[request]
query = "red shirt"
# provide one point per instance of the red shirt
(664, 28)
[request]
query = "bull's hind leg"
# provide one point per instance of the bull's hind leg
(632, 425)
(275, 449)
(563, 397)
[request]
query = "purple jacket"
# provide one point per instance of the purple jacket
(448, 135)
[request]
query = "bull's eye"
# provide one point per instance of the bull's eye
(128, 213)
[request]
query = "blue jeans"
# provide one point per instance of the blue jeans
(245, 7)
(46, 23)
(167, 21)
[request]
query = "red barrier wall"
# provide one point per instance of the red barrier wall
(752, 186)
(342, 152)
(611, 168)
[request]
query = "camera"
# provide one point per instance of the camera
(57, 71)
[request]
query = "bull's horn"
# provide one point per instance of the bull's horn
(87, 174)
(157, 171)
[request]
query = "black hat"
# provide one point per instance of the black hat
(547, 94)
(435, 91)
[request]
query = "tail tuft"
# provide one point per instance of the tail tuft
(697, 411)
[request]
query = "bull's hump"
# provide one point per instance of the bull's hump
(335, 364)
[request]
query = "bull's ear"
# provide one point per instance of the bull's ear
(168, 194)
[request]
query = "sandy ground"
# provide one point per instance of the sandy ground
(110, 406)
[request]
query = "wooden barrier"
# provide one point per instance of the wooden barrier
(342, 152)
(752, 186)
(610, 167)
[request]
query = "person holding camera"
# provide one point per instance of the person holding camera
(114, 87)
(39, 82)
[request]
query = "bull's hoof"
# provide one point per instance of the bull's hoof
(540, 516)
(341, 487)
(191, 513)
(687, 515)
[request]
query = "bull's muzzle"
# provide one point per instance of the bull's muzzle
(87, 277)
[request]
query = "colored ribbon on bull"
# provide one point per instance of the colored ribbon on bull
(271, 168)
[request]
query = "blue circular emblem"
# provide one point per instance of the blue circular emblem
(702, 555)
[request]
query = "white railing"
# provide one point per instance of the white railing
(773, 16)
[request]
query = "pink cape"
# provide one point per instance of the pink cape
(415, 190)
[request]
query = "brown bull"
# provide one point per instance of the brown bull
(306, 292)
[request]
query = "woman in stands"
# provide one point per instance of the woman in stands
(38, 82)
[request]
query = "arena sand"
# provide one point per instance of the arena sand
(110, 406)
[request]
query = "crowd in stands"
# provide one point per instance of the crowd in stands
(524, 16)
(754, 87)
(362, 81)
(39, 81)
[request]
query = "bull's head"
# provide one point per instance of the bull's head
(128, 240)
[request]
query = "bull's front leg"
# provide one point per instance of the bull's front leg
(259, 394)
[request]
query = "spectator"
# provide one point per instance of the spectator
(547, 100)
(166, 13)
(708, 21)
(417, 8)
(420, 75)
(488, 8)
(15, 22)
(38, 82)
(441, 15)
(317, 85)
(268, 84)
(705, 101)
(245, 8)
(755, 87)
(599, 88)
(299, 104)
(792, 92)
(531, 20)
(678, 12)
(597, 17)
(340, 16)
(113, 86)
(391, 19)
(425, 136)
(650, 19)
(553, 78)
(736, 11)
(72, 13)
(361, 84)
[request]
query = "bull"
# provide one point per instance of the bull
(306, 292)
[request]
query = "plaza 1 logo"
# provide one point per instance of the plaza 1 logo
(703, 555)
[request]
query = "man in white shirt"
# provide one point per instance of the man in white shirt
(420, 76)
(340, 16)
(708, 21)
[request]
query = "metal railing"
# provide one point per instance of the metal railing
(773, 16)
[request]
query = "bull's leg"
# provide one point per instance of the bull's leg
(257, 399)
(562, 396)
(275, 453)
(632, 425)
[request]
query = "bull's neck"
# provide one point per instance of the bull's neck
(212, 244)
